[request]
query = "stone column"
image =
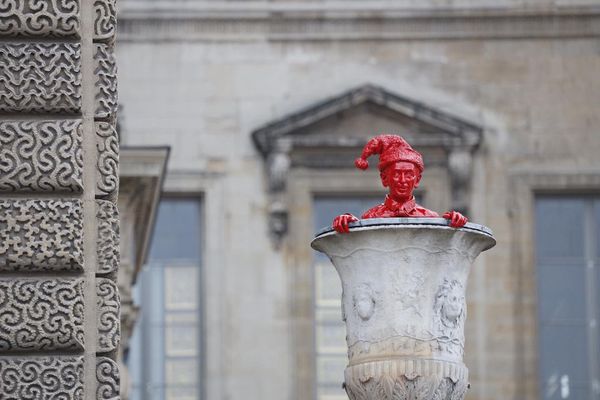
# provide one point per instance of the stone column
(404, 305)
(59, 243)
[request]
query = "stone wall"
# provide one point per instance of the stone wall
(59, 234)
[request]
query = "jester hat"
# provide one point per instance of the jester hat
(391, 148)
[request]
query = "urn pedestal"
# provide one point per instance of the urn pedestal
(403, 303)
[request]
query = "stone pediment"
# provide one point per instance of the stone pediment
(332, 133)
(344, 123)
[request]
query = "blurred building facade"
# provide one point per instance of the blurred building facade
(266, 104)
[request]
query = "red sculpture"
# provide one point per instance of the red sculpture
(400, 168)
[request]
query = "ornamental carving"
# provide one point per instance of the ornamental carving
(406, 380)
(29, 18)
(108, 237)
(107, 144)
(364, 301)
(105, 20)
(41, 235)
(56, 377)
(106, 82)
(108, 314)
(40, 77)
(41, 314)
(41, 156)
(450, 311)
(107, 376)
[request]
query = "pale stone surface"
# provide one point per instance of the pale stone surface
(58, 18)
(107, 247)
(41, 235)
(50, 377)
(40, 77)
(107, 374)
(108, 315)
(41, 156)
(41, 315)
(404, 304)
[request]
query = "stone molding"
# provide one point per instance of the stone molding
(105, 21)
(406, 379)
(107, 247)
(107, 144)
(41, 156)
(41, 315)
(107, 376)
(55, 377)
(108, 315)
(30, 18)
(249, 21)
(40, 77)
(106, 81)
(41, 235)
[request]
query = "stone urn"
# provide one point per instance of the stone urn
(403, 303)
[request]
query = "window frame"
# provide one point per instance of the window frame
(524, 185)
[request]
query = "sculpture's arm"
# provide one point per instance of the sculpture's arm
(457, 220)
(341, 222)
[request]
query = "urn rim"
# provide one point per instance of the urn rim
(407, 222)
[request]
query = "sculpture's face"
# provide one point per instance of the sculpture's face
(402, 178)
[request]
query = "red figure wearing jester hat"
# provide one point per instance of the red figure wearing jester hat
(400, 168)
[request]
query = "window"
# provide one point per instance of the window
(330, 331)
(166, 346)
(568, 277)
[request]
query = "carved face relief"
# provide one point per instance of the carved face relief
(450, 303)
(364, 303)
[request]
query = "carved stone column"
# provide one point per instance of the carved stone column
(404, 305)
(59, 239)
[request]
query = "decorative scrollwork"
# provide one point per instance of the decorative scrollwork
(105, 20)
(40, 77)
(41, 235)
(108, 237)
(107, 376)
(41, 156)
(108, 312)
(29, 378)
(107, 143)
(106, 81)
(31, 18)
(41, 314)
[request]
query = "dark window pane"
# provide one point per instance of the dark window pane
(177, 231)
(559, 227)
(561, 290)
(564, 354)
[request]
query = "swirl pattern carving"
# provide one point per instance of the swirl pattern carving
(107, 376)
(108, 253)
(107, 143)
(41, 235)
(40, 77)
(106, 82)
(406, 380)
(31, 18)
(33, 378)
(41, 156)
(105, 20)
(41, 314)
(108, 313)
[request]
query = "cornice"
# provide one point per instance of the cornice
(248, 21)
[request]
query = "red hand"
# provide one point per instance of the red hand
(341, 222)
(457, 220)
